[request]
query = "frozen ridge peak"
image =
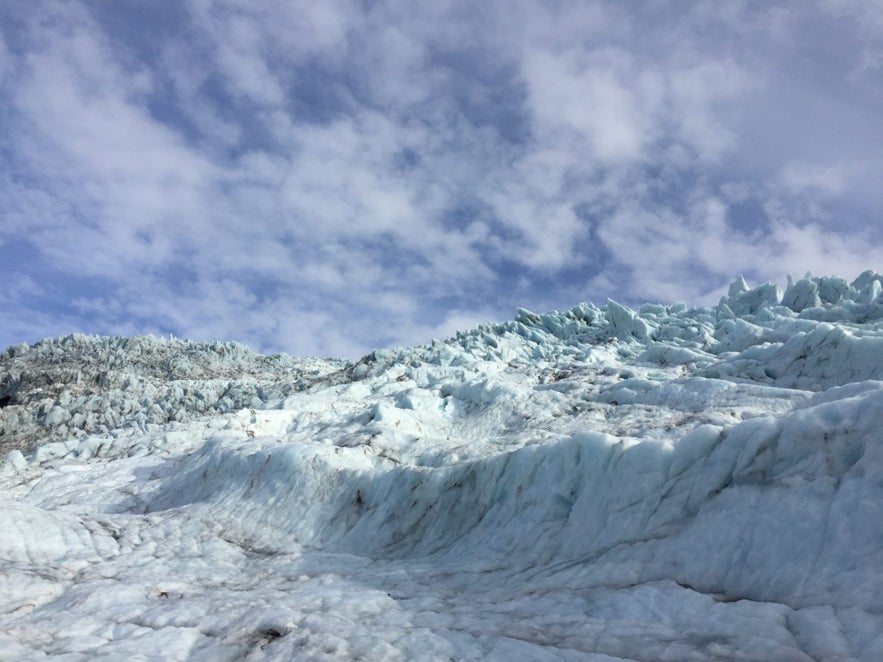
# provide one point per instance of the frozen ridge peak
(64, 388)
(830, 299)
(659, 483)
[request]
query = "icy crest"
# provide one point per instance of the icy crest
(663, 483)
(64, 388)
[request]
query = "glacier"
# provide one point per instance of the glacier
(603, 483)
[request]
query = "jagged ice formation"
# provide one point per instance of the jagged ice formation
(667, 483)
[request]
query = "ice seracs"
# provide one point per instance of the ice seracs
(664, 483)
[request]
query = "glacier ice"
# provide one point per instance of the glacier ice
(666, 483)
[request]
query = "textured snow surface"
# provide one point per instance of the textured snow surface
(666, 483)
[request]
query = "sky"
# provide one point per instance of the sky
(325, 178)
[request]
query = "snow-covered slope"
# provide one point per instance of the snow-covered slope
(662, 484)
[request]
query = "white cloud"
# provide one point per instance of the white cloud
(703, 250)
(326, 176)
(587, 96)
(828, 179)
(699, 93)
(867, 13)
(86, 131)
(6, 61)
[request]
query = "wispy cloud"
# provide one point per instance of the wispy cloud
(327, 177)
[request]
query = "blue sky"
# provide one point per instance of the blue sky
(329, 177)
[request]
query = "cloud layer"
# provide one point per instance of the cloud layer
(324, 178)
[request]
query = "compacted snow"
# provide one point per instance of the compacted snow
(669, 483)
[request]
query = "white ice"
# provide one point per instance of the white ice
(661, 484)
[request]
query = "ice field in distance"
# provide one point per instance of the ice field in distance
(666, 483)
